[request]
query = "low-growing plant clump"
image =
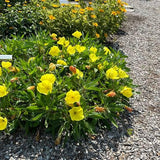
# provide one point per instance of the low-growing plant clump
(66, 85)
(99, 19)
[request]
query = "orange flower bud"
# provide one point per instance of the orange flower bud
(72, 69)
(111, 94)
(99, 109)
(128, 109)
(31, 88)
(14, 79)
(12, 69)
(78, 103)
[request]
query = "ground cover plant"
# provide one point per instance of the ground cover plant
(98, 18)
(65, 85)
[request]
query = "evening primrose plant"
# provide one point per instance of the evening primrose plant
(98, 18)
(74, 86)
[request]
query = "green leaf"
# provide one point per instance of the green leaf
(92, 83)
(37, 117)
(93, 88)
(114, 122)
(33, 108)
(95, 115)
(61, 96)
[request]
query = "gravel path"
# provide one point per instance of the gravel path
(140, 40)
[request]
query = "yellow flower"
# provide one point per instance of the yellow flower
(41, 23)
(7, 1)
(79, 73)
(77, 34)
(89, 8)
(66, 43)
(0, 71)
(112, 74)
(6, 64)
(62, 41)
(100, 66)
(55, 5)
(101, 10)
(31, 59)
(3, 123)
(122, 74)
(127, 92)
(93, 50)
(54, 51)
(71, 50)
(43, 0)
(79, 48)
(48, 77)
(97, 35)
(81, 12)
(74, 11)
(95, 24)
(52, 66)
(51, 17)
(43, 7)
(61, 62)
(107, 51)
(76, 113)
(9, 5)
(93, 57)
(90, 3)
(93, 16)
(53, 35)
(77, 5)
(123, 9)
(72, 97)
(3, 90)
(114, 13)
(45, 87)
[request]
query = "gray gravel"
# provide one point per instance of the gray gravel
(140, 40)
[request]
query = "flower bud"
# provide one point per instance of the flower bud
(72, 69)
(99, 109)
(52, 66)
(128, 109)
(40, 69)
(111, 94)
(88, 67)
(14, 79)
(12, 69)
(58, 140)
(31, 88)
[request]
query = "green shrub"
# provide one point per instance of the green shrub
(98, 18)
(68, 86)
(8, 3)
(19, 19)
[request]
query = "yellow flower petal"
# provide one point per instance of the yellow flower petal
(72, 97)
(3, 123)
(127, 92)
(76, 113)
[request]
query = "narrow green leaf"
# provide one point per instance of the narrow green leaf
(33, 108)
(37, 117)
